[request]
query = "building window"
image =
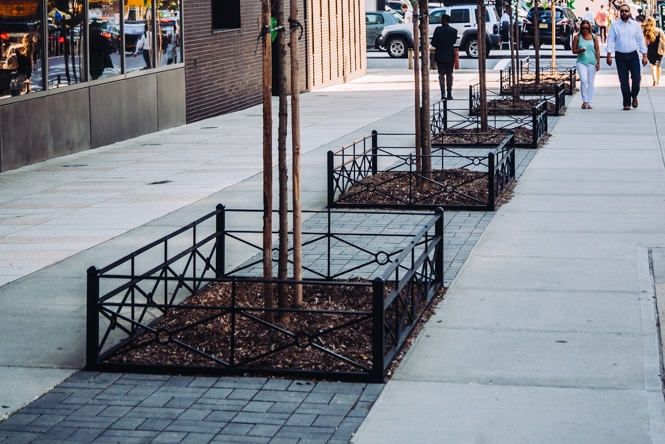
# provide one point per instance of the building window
(139, 35)
(225, 14)
(168, 32)
(66, 44)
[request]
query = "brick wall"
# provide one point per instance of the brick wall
(223, 73)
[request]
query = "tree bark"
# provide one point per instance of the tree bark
(283, 262)
(416, 80)
(553, 36)
(295, 152)
(536, 40)
(266, 53)
(425, 136)
(482, 56)
(516, 37)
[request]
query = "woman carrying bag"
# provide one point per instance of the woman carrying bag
(585, 45)
(655, 40)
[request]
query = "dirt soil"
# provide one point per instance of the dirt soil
(208, 329)
(394, 188)
(510, 106)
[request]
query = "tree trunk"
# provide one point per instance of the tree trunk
(482, 56)
(536, 40)
(268, 296)
(425, 134)
(516, 37)
(283, 262)
(295, 150)
(513, 61)
(416, 80)
(553, 37)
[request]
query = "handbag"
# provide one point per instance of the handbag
(11, 62)
(661, 43)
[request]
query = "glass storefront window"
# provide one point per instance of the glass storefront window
(20, 47)
(139, 35)
(106, 45)
(66, 43)
(168, 32)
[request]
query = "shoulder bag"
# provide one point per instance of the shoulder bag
(661, 43)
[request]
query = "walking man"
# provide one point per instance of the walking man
(444, 39)
(625, 39)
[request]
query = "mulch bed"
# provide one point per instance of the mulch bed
(393, 187)
(209, 330)
(493, 136)
(518, 106)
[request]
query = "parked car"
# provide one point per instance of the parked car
(566, 27)
(398, 39)
(375, 21)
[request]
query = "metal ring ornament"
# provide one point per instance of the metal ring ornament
(382, 258)
(163, 336)
(303, 339)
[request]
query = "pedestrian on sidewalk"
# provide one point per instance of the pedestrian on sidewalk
(655, 40)
(602, 17)
(585, 45)
(444, 39)
(408, 14)
(625, 39)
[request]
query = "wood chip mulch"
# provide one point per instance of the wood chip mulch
(458, 186)
(510, 106)
(209, 327)
(493, 136)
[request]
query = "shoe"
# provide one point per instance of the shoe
(589, 106)
(450, 96)
(634, 102)
(584, 105)
(626, 108)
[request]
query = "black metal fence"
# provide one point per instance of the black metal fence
(141, 316)
(505, 75)
(452, 124)
(463, 177)
(526, 77)
(556, 101)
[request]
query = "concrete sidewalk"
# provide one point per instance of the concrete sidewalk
(548, 334)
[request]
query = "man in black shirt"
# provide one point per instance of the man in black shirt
(444, 39)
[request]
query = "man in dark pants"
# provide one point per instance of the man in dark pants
(444, 39)
(625, 39)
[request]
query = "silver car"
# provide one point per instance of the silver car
(375, 21)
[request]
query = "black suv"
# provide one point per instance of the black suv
(566, 27)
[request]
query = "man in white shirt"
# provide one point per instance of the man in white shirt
(588, 15)
(625, 39)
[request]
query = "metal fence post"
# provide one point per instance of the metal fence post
(331, 181)
(220, 233)
(445, 117)
(375, 151)
(92, 319)
(490, 181)
(534, 126)
(377, 330)
(512, 154)
(471, 97)
(438, 252)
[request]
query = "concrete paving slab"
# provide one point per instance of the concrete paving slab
(23, 385)
(476, 413)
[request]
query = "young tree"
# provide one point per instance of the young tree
(266, 53)
(482, 56)
(425, 136)
(536, 40)
(283, 262)
(295, 153)
(416, 79)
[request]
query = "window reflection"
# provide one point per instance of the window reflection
(105, 39)
(139, 35)
(65, 43)
(20, 51)
(168, 40)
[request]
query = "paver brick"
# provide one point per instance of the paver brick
(240, 383)
(318, 398)
(184, 425)
(152, 412)
(19, 418)
(156, 424)
(327, 421)
(181, 402)
(301, 420)
(197, 438)
(277, 384)
(305, 432)
(47, 420)
(237, 429)
(88, 423)
(203, 382)
(242, 394)
(83, 436)
(128, 423)
(178, 381)
(261, 418)
(56, 434)
(344, 399)
(87, 411)
(240, 439)
(220, 416)
(234, 405)
(195, 414)
(169, 438)
(284, 407)
(266, 430)
(115, 411)
(216, 393)
(257, 406)
(280, 396)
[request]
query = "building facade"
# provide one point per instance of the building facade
(77, 75)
